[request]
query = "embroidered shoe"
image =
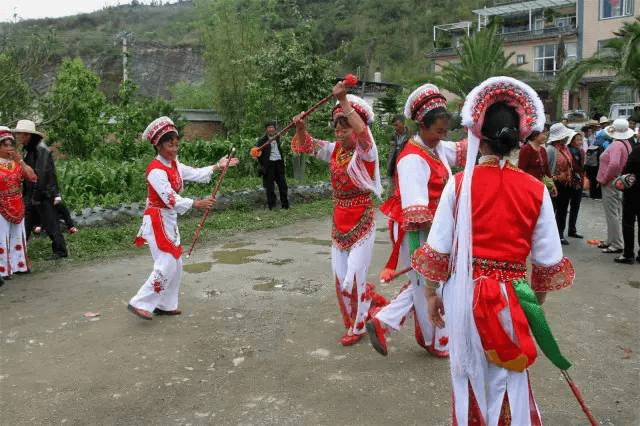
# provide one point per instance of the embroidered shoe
(377, 337)
(142, 313)
(350, 339)
(158, 311)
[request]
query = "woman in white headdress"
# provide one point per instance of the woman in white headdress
(355, 177)
(489, 220)
(423, 168)
(165, 177)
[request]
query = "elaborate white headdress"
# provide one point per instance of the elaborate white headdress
(530, 111)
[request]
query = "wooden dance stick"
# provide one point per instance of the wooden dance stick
(350, 80)
(578, 395)
(397, 274)
(213, 195)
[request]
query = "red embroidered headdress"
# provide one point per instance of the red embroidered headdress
(422, 100)
(158, 128)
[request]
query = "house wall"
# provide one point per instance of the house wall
(596, 29)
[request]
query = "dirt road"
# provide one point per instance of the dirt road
(257, 343)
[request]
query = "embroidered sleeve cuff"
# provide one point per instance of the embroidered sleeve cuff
(431, 264)
(416, 218)
(306, 146)
(554, 277)
(461, 152)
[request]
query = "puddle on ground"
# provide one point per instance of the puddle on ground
(382, 242)
(268, 284)
(307, 240)
(237, 244)
(211, 292)
(634, 284)
(383, 229)
(303, 286)
(279, 262)
(197, 268)
(323, 253)
(236, 257)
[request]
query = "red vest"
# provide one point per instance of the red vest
(11, 205)
(353, 212)
(174, 180)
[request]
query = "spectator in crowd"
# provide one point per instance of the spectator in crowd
(39, 196)
(13, 170)
(630, 182)
(601, 138)
(612, 161)
(533, 159)
(561, 168)
(272, 167)
(400, 136)
(577, 182)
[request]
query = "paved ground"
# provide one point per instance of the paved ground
(257, 343)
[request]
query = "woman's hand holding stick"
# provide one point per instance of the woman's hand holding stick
(208, 203)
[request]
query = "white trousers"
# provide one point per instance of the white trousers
(612, 203)
(350, 268)
(161, 290)
(412, 299)
(13, 248)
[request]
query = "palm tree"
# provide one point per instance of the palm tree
(481, 56)
(620, 56)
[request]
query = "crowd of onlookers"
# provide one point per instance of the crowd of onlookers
(603, 157)
(30, 200)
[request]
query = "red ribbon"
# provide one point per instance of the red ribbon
(499, 348)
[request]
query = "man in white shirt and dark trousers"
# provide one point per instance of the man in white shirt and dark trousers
(272, 168)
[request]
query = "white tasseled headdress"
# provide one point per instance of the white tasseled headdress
(422, 100)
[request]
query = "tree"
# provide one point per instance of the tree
(232, 34)
(620, 56)
(21, 59)
(75, 110)
(481, 56)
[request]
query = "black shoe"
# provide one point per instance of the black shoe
(622, 259)
(564, 242)
(575, 235)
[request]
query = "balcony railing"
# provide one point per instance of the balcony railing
(514, 34)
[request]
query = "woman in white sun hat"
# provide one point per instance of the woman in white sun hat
(612, 162)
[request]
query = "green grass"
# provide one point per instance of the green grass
(104, 242)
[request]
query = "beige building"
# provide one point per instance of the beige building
(543, 36)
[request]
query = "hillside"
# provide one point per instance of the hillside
(164, 47)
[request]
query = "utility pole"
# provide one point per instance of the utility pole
(124, 37)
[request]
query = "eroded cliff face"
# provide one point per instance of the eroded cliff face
(153, 66)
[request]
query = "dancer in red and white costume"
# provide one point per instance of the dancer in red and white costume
(13, 237)
(489, 220)
(165, 177)
(355, 176)
(423, 168)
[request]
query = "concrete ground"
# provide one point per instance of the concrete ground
(257, 343)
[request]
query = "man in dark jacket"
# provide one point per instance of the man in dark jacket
(39, 196)
(631, 205)
(272, 168)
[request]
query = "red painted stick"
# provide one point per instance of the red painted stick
(349, 80)
(215, 192)
(397, 274)
(578, 395)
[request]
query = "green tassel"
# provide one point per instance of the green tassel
(539, 326)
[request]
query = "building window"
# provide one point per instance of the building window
(615, 8)
(544, 60)
(603, 50)
(520, 59)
